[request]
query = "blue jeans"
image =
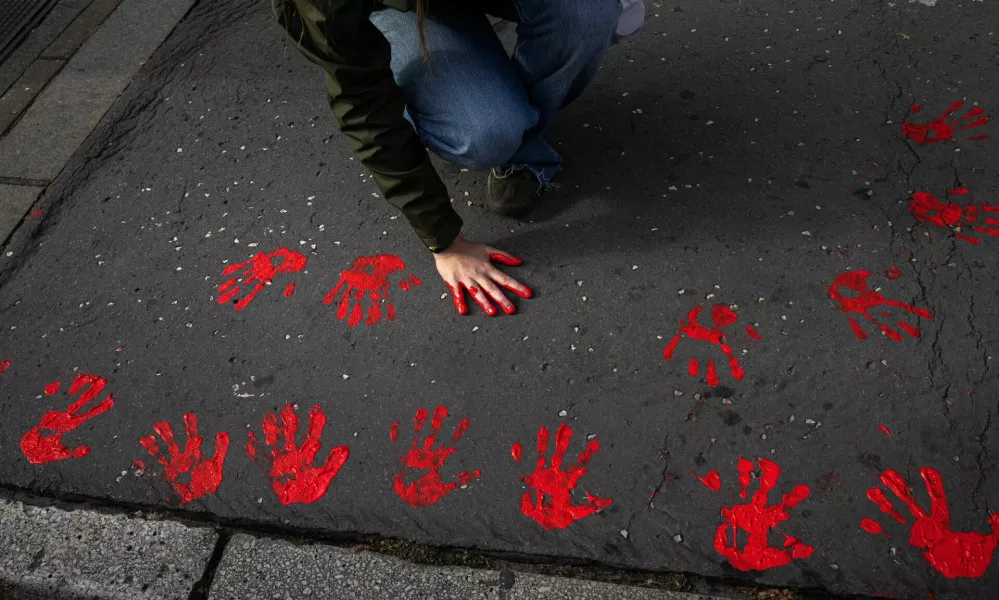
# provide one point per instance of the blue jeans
(478, 108)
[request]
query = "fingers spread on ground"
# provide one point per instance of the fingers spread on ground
(459, 298)
(482, 299)
(512, 284)
(504, 258)
(497, 296)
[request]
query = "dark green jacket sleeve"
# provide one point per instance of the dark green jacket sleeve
(338, 36)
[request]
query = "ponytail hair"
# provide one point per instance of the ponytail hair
(421, 17)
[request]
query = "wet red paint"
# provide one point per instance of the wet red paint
(550, 502)
(36, 213)
(259, 272)
(944, 127)
(204, 475)
(712, 481)
(885, 429)
(39, 447)
(517, 451)
(394, 431)
(289, 290)
(872, 527)
(52, 388)
(722, 316)
(863, 299)
(367, 281)
(429, 488)
(745, 476)
(4, 366)
(139, 466)
(758, 520)
(752, 333)
(951, 554)
(893, 273)
(294, 476)
(482, 298)
(958, 218)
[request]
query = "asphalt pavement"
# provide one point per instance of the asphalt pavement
(765, 290)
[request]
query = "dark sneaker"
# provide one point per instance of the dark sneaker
(512, 192)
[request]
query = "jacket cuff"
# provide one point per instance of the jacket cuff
(446, 231)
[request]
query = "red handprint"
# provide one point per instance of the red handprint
(39, 448)
(951, 554)
(429, 489)
(866, 299)
(294, 477)
(722, 316)
(206, 475)
(369, 277)
(260, 271)
(941, 129)
(926, 207)
(551, 502)
(757, 520)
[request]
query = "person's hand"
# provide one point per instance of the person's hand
(467, 266)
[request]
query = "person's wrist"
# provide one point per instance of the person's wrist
(449, 249)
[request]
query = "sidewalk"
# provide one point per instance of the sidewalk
(69, 72)
(48, 552)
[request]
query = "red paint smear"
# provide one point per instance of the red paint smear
(394, 431)
(367, 280)
(752, 333)
(39, 448)
(872, 527)
(885, 429)
(139, 466)
(205, 475)
(893, 273)
(712, 481)
(36, 213)
(294, 476)
(693, 367)
(722, 317)
(927, 208)
(517, 451)
(4, 366)
(867, 299)
(941, 128)
(289, 290)
(745, 476)
(757, 520)
(53, 388)
(259, 271)
(966, 554)
(878, 497)
(429, 488)
(550, 504)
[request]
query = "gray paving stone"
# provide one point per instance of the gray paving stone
(61, 15)
(63, 115)
(54, 553)
(267, 568)
(264, 568)
(80, 29)
(527, 586)
(20, 95)
(15, 200)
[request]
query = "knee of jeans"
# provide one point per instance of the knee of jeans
(489, 142)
